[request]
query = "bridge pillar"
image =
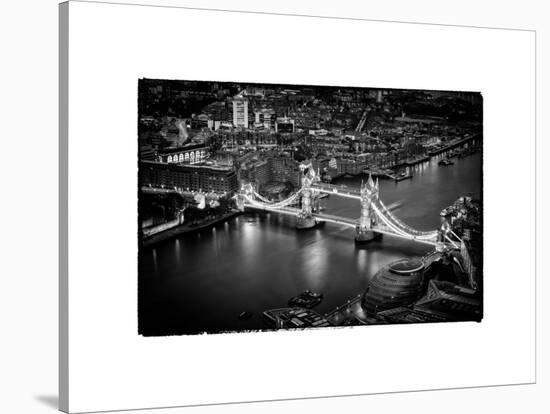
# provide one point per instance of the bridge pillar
(305, 219)
(364, 230)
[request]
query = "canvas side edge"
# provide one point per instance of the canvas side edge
(63, 207)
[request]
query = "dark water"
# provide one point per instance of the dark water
(203, 281)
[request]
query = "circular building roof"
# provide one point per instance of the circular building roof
(397, 284)
(406, 266)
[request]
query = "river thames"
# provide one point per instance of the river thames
(202, 281)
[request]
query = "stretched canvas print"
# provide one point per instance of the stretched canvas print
(346, 211)
(267, 206)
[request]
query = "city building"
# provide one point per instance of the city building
(397, 284)
(240, 113)
(284, 125)
(186, 154)
(453, 301)
(318, 132)
(265, 119)
(273, 167)
(408, 315)
(469, 262)
(352, 166)
(285, 318)
(284, 168)
(147, 153)
(258, 172)
(188, 177)
(320, 164)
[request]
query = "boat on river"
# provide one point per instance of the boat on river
(306, 299)
(445, 162)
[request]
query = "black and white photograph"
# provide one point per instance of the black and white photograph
(270, 206)
(243, 207)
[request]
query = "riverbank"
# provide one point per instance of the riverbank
(185, 228)
(453, 145)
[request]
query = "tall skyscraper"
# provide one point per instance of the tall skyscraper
(240, 112)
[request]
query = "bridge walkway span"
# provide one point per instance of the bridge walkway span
(329, 218)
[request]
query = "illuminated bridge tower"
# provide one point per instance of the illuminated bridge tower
(239, 202)
(363, 230)
(305, 219)
(442, 236)
(247, 190)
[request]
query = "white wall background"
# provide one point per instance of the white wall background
(29, 295)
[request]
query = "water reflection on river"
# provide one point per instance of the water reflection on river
(257, 261)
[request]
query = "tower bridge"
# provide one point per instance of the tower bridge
(375, 218)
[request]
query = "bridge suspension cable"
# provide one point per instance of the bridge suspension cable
(274, 205)
(384, 211)
(404, 232)
(258, 195)
(289, 200)
(390, 224)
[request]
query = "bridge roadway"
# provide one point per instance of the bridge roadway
(294, 211)
(337, 189)
(329, 218)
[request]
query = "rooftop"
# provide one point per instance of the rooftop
(406, 266)
(185, 147)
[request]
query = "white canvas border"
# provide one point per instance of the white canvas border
(83, 338)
